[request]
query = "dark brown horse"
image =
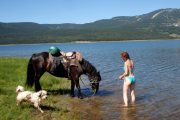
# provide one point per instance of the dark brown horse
(40, 63)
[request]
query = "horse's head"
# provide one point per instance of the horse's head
(94, 82)
(92, 73)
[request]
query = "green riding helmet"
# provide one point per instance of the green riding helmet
(54, 51)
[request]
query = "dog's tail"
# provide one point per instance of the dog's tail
(30, 74)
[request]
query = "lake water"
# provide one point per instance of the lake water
(157, 70)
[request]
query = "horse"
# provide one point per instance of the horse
(39, 63)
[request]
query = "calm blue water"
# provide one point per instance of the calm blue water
(157, 70)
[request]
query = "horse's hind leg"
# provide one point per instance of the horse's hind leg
(37, 83)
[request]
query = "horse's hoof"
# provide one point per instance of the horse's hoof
(80, 97)
(72, 95)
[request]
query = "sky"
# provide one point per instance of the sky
(76, 11)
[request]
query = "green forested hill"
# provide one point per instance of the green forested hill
(159, 24)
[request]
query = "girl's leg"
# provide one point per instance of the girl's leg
(125, 92)
(132, 90)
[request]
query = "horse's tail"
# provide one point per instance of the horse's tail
(30, 74)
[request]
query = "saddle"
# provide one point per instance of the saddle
(68, 59)
(73, 59)
(73, 55)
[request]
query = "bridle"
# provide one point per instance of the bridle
(93, 81)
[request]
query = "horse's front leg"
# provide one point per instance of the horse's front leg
(72, 88)
(79, 89)
(75, 78)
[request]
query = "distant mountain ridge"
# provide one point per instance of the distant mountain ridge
(159, 24)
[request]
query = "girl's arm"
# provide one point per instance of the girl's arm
(125, 72)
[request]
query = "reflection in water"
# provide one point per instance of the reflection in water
(128, 113)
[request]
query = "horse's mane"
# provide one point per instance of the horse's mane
(88, 68)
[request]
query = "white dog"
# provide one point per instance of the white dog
(33, 97)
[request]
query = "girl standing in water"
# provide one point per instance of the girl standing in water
(129, 78)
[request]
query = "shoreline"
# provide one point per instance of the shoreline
(81, 42)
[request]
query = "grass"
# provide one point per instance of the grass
(12, 74)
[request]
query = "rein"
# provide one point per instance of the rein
(93, 91)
